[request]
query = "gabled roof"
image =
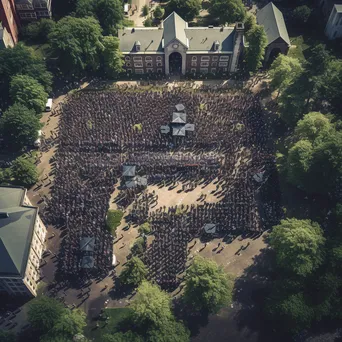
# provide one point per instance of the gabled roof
(87, 243)
(128, 171)
(274, 24)
(178, 118)
(178, 130)
(16, 231)
(174, 28)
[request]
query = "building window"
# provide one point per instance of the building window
(159, 71)
(148, 58)
(40, 5)
(223, 64)
(129, 71)
(193, 71)
(204, 64)
(214, 58)
(159, 59)
(138, 65)
(204, 70)
(24, 7)
(159, 64)
(27, 15)
(127, 58)
(194, 58)
(194, 63)
(149, 70)
(128, 64)
(137, 59)
(225, 69)
(214, 64)
(149, 64)
(43, 13)
(205, 58)
(224, 58)
(139, 71)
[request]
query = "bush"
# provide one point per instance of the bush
(145, 228)
(113, 220)
(158, 13)
(145, 10)
(139, 247)
(148, 22)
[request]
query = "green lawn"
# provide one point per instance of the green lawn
(113, 220)
(298, 46)
(116, 315)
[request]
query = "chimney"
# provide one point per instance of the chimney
(137, 46)
(210, 26)
(216, 45)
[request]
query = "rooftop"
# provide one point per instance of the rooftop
(274, 24)
(16, 230)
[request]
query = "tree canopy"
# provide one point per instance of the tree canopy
(227, 11)
(112, 58)
(38, 31)
(151, 306)
(207, 286)
(299, 245)
(77, 43)
(158, 12)
(24, 172)
(29, 92)
(44, 312)
(19, 126)
(134, 272)
(301, 14)
(7, 336)
(187, 9)
(23, 60)
(283, 71)
(255, 52)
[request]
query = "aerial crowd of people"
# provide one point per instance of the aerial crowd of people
(103, 130)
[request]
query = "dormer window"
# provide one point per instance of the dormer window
(137, 46)
(216, 45)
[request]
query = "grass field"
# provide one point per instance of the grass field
(116, 315)
(113, 220)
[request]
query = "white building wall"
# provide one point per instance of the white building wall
(333, 28)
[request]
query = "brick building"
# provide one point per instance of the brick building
(30, 10)
(175, 48)
(22, 236)
(9, 22)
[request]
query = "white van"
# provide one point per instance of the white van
(48, 105)
(126, 9)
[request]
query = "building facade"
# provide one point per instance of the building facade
(175, 48)
(278, 40)
(333, 28)
(5, 38)
(9, 20)
(22, 243)
(30, 10)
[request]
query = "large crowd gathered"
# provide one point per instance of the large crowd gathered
(101, 131)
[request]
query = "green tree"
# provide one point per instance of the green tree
(69, 324)
(145, 10)
(38, 31)
(44, 312)
(24, 172)
(173, 331)
(299, 160)
(148, 22)
(301, 14)
(159, 12)
(207, 287)
(29, 92)
(250, 21)
(110, 14)
(139, 246)
(85, 8)
(151, 306)
(77, 44)
(19, 126)
(298, 245)
(283, 71)
(187, 9)
(293, 311)
(112, 57)
(145, 228)
(23, 60)
(227, 11)
(134, 272)
(128, 336)
(7, 336)
(314, 125)
(257, 42)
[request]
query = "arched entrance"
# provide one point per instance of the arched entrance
(175, 63)
(273, 55)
